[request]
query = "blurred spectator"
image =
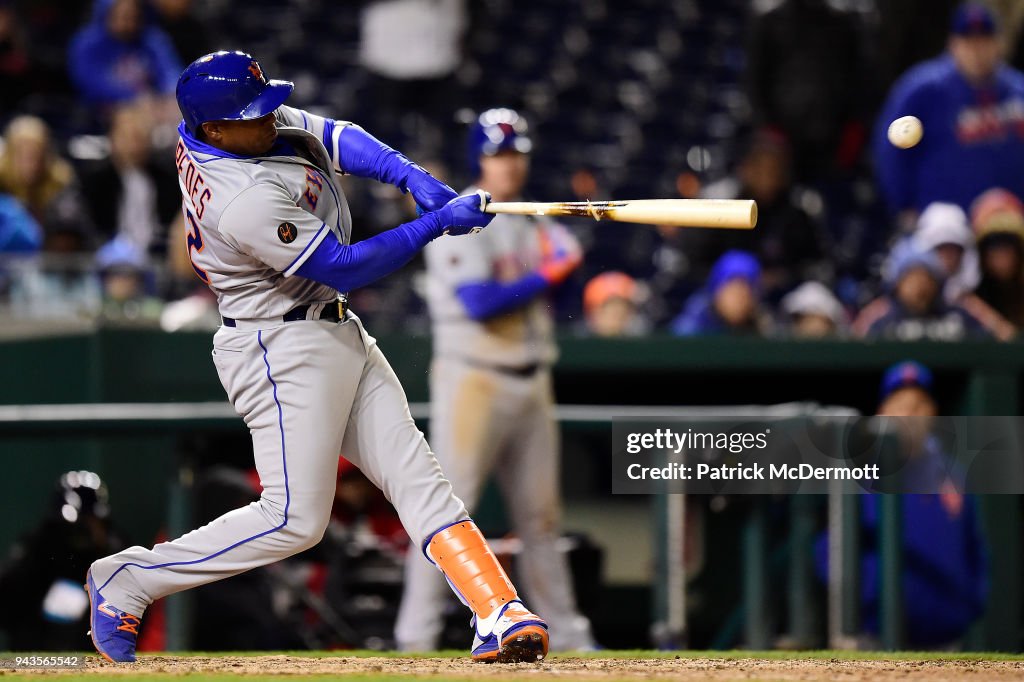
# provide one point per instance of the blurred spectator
(914, 308)
(943, 230)
(132, 194)
(191, 304)
(46, 608)
(944, 583)
(32, 172)
(813, 312)
(584, 185)
(610, 304)
(195, 312)
(910, 31)
(730, 302)
(972, 108)
(49, 26)
(1011, 18)
(666, 268)
(127, 283)
(794, 70)
(121, 56)
(998, 220)
(788, 241)
(19, 232)
(189, 35)
(15, 66)
(412, 48)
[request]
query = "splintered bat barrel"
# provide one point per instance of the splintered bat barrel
(732, 214)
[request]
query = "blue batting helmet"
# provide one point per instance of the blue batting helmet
(496, 130)
(227, 86)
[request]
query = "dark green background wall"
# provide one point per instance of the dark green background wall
(114, 365)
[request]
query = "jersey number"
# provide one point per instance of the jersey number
(195, 244)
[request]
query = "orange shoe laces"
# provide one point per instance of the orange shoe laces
(129, 623)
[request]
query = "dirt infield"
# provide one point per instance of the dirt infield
(561, 668)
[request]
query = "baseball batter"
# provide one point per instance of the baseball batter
(268, 230)
(492, 408)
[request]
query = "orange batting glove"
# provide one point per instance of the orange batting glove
(560, 254)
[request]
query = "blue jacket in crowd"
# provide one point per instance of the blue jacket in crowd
(945, 568)
(19, 232)
(973, 137)
(107, 71)
(699, 315)
(942, 322)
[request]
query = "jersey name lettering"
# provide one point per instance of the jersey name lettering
(193, 180)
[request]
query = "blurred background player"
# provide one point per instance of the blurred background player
(492, 406)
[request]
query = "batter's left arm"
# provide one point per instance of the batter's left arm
(351, 266)
(358, 153)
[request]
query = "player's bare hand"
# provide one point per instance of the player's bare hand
(430, 193)
(465, 214)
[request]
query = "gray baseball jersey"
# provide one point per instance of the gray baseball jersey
(253, 221)
(507, 250)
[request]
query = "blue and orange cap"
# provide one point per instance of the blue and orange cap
(905, 374)
(974, 19)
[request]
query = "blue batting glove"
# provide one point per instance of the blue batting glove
(428, 191)
(465, 214)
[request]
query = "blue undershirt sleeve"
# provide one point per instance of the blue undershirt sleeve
(347, 267)
(484, 300)
(363, 155)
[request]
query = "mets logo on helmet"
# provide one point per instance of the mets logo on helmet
(255, 70)
(287, 232)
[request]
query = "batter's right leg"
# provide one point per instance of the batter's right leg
(383, 441)
(294, 385)
(464, 433)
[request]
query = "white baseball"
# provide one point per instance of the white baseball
(905, 132)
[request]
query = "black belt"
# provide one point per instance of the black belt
(334, 311)
(521, 371)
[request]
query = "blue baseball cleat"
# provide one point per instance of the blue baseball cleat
(517, 636)
(113, 631)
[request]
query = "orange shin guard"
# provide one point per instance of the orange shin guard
(464, 557)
